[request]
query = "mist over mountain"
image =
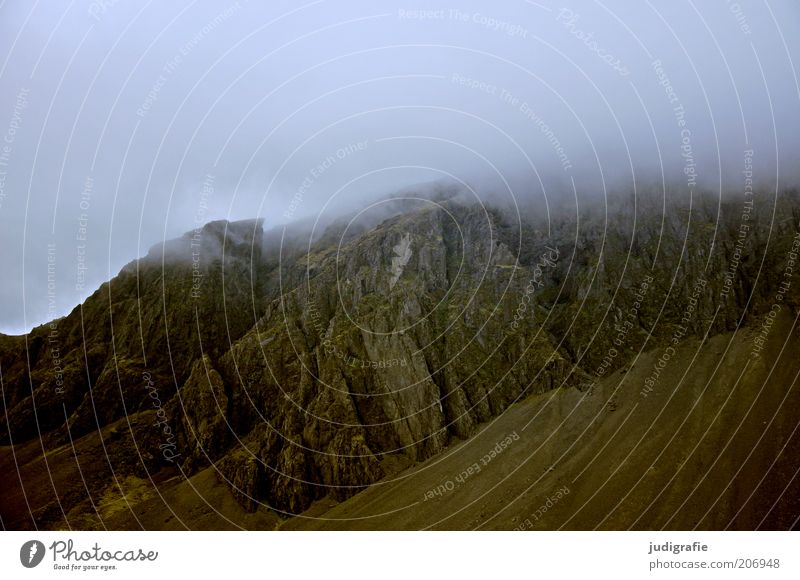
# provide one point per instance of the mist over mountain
(131, 125)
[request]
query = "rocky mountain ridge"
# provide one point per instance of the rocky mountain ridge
(314, 370)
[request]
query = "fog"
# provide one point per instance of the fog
(128, 123)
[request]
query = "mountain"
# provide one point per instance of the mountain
(299, 367)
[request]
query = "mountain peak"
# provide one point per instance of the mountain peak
(235, 238)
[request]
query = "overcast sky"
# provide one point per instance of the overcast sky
(121, 121)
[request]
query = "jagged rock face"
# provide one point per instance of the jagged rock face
(387, 349)
(303, 371)
(413, 332)
(200, 409)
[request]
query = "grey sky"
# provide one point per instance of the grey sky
(121, 121)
